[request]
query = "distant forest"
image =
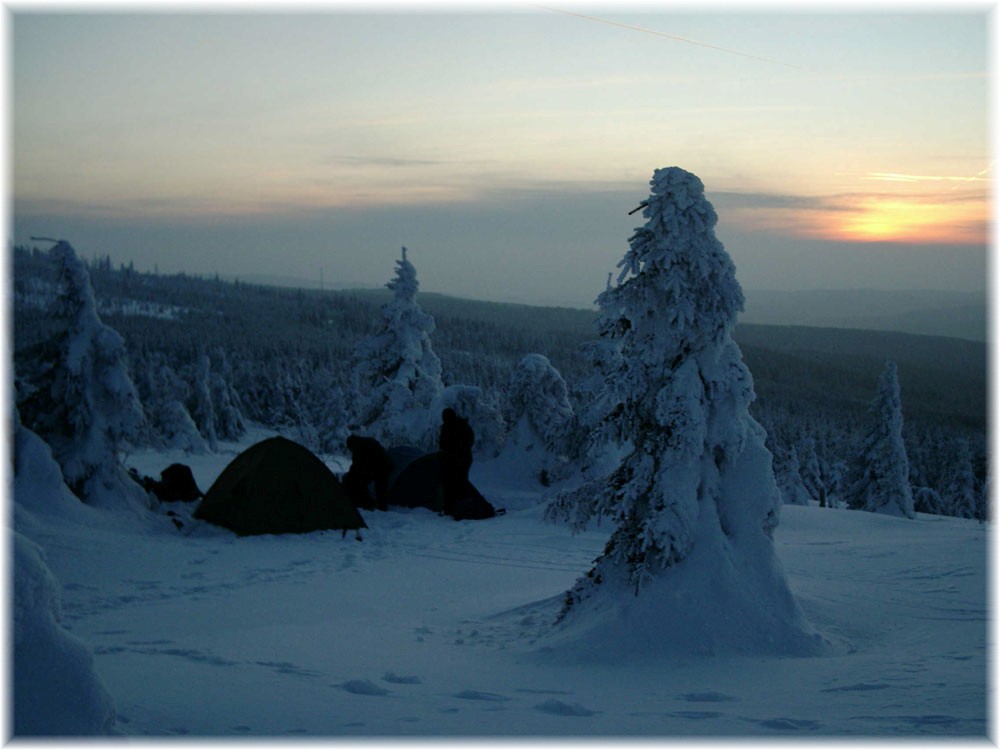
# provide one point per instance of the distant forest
(287, 356)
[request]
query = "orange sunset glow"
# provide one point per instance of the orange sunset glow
(905, 219)
(946, 218)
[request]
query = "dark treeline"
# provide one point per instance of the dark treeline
(285, 358)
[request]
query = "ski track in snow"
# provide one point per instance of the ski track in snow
(425, 628)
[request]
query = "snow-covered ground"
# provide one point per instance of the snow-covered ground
(428, 627)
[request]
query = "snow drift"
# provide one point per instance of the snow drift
(56, 691)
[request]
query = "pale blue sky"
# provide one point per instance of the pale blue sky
(502, 147)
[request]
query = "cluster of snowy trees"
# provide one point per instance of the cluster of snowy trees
(815, 453)
(204, 361)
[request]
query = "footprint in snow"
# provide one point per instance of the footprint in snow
(559, 708)
(401, 679)
(477, 695)
(536, 691)
(709, 696)
(696, 715)
(284, 667)
(421, 632)
(791, 725)
(932, 720)
(857, 687)
(363, 687)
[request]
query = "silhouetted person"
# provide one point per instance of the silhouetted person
(455, 443)
(370, 464)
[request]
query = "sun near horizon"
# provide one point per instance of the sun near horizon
(913, 220)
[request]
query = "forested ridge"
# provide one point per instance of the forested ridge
(287, 357)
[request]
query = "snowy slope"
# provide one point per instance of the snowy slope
(426, 627)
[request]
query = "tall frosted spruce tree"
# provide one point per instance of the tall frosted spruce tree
(879, 475)
(690, 565)
(85, 405)
(398, 373)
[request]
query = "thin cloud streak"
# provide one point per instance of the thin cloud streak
(673, 37)
(896, 177)
(385, 161)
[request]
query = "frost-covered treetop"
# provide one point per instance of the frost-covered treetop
(76, 302)
(402, 313)
(405, 285)
(888, 403)
(676, 264)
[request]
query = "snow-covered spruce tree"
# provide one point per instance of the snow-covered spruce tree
(229, 421)
(690, 566)
(600, 441)
(959, 490)
(165, 395)
(484, 415)
(789, 477)
(878, 477)
(811, 470)
(928, 500)
(540, 418)
(398, 373)
(86, 407)
(835, 484)
(38, 485)
(201, 408)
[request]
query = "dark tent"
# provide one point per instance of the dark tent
(401, 457)
(416, 482)
(278, 487)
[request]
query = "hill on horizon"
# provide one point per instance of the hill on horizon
(941, 376)
(943, 379)
(931, 312)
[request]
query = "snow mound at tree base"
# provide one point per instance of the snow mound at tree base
(56, 691)
(727, 597)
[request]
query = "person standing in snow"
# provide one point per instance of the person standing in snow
(455, 444)
(369, 464)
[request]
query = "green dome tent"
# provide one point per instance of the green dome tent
(278, 487)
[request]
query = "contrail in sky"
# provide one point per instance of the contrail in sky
(981, 176)
(897, 177)
(674, 37)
